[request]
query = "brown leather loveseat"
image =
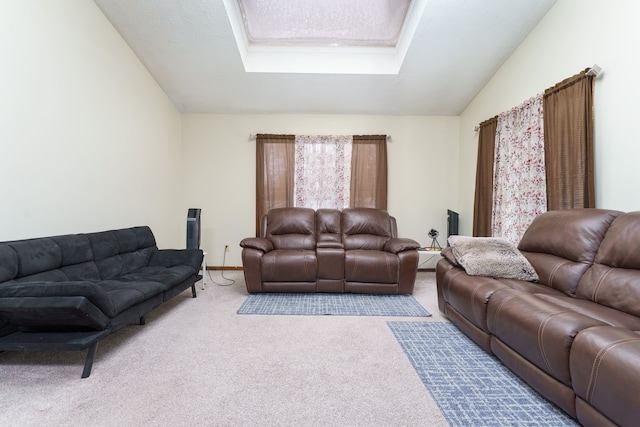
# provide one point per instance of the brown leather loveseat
(574, 335)
(354, 250)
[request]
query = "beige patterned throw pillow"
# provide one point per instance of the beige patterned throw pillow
(491, 257)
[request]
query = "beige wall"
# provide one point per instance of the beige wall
(88, 140)
(574, 35)
(219, 162)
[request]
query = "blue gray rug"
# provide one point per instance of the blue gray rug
(471, 387)
(315, 304)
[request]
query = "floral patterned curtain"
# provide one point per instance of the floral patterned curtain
(322, 171)
(519, 188)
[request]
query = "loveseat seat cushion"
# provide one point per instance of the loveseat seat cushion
(604, 368)
(289, 266)
(371, 266)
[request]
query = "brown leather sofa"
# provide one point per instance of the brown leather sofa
(354, 250)
(574, 336)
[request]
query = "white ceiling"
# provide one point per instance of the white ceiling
(189, 48)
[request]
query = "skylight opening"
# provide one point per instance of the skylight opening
(323, 23)
(330, 36)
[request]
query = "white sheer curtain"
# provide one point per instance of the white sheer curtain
(322, 171)
(519, 188)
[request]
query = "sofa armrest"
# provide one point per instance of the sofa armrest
(172, 257)
(258, 243)
(399, 244)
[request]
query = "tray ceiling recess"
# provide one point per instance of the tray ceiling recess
(327, 37)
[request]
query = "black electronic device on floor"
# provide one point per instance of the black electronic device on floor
(193, 228)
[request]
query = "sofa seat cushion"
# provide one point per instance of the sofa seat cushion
(289, 265)
(602, 313)
(371, 266)
(167, 276)
(540, 331)
(604, 368)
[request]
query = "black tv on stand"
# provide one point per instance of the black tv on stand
(452, 223)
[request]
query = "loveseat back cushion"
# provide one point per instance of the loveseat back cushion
(291, 228)
(366, 228)
(328, 225)
(614, 278)
(560, 245)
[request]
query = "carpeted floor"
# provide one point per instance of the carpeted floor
(197, 362)
(471, 387)
(333, 304)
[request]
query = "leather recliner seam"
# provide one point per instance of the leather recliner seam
(593, 378)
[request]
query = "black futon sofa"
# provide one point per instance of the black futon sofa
(69, 292)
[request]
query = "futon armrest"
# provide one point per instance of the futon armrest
(22, 294)
(258, 243)
(398, 245)
(173, 257)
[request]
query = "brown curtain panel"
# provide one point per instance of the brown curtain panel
(369, 172)
(568, 140)
(483, 201)
(275, 155)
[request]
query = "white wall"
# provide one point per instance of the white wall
(220, 166)
(574, 35)
(88, 140)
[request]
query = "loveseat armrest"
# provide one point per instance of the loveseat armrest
(173, 257)
(329, 245)
(258, 243)
(399, 244)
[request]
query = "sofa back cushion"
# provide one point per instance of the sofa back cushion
(561, 245)
(291, 228)
(614, 278)
(366, 228)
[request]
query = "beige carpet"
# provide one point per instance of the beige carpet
(197, 363)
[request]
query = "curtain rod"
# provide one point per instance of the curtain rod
(593, 71)
(253, 136)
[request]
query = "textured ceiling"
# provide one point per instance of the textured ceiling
(189, 48)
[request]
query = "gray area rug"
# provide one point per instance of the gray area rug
(471, 387)
(315, 304)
